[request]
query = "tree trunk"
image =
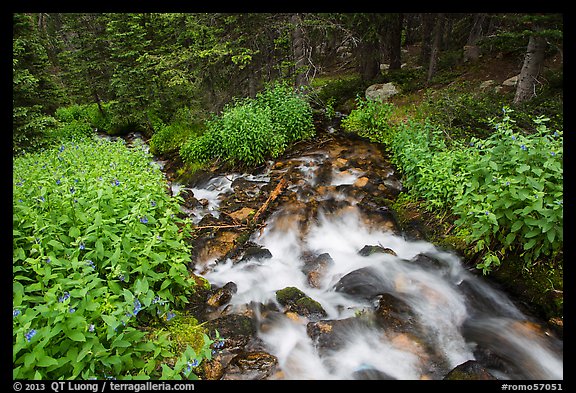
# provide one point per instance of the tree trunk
(395, 42)
(533, 61)
(476, 30)
(426, 49)
(299, 52)
(369, 64)
(438, 30)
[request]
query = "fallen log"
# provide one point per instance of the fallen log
(277, 191)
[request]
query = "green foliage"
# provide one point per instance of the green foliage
(370, 120)
(430, 170)
(250, 131)
(506, 190)
(170, 138)
(98, 250)
(339, 89)
(290, 113)
(513, 196)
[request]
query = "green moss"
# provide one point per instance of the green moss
(184, 330)
(289, 295)
(307, 305)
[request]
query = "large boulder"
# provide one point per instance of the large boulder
(381, 91)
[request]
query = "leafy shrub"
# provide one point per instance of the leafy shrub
(513, 197)
(290, 113)
(98, 251)
(249, 131)
(431, 171)
(170, 138)
(370, 120)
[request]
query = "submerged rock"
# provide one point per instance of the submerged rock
(364, 283)
(369, 250)
(469, 370)
(315, 268)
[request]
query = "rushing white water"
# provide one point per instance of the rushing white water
(435, 297)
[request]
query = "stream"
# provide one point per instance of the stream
(335, 290)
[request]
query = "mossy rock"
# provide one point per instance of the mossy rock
(289, 295)
(295, 300)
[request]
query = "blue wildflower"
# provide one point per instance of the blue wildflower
(170, 315)
(513, 138)
(42, 199)
(91, 328)
(30, 334)
(137, 306)
(58, 182)
(471, 143)
(153, 203)
(65, 297)
(116, 182)
(144, 220)
(48, 260)
(15, 313)
(72, 310)
(72, 190)
(61, 149)
(486, 212)
(121, 278)
(555, 133)
(81, 246)
(91, 264)
(523, 147)
(552, 153)
(507, 183)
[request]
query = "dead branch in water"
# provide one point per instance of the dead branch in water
(277, 191)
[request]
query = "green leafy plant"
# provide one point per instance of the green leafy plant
(249, 131)
(513, 197)
(98, 253)
(370, 119)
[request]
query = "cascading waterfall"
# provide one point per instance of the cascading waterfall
(451, 324)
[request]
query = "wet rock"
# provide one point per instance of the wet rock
(469, 370)
(377, 215)
(241, 215)
(251, 365)
(212, 369)
(427, 262)
(394, 314)
(365, 372)
(332, 335)
(315, 268)
(222, 295)
(361, 182)
(370, 250)
(364, 283)
(255, 252)
(394, 185)
(324, 174)
(236, 330)
(297, 301)
(215, 247)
